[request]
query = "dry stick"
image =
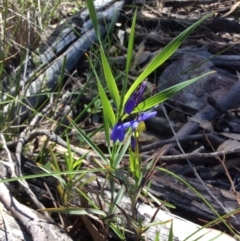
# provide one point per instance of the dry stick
(80, 151)
(223, 163)
(5, 226)
(190, 164)
(19, 147)
(54, 203)
(229, 178)
(25, 215)
(155, 145)
(231, 98)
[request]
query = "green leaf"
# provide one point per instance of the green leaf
(170, 236)
(132, 161)
(157, 237)
(131, 43)
(111, 83)
(164, 55)
(118, 231)
(166, 94)
(118, 199)
(59, 178)
(90, 143)
(50, 173)
(93, 16)
(75, 211)
(129, 59)
(121, 152)
(107, 108)
(196, 193)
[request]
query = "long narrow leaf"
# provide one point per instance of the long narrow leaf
(131, 43)
(48, 174)
(129, 59)
(107, 108)
(197, 193)
(111, 83)
(74, 211)
(93, 16)
(118, 199)
(166, 94)
(170, 236)
(164, 55)
(90, 143)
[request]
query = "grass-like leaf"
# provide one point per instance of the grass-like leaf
(75, 211)
(111, 83)
(198, 194)
(93, 16)
(50, 174)
(166, 94)
(90, 143)
(129, 59)
(164, 55)
(107, 107)
(117, 199)
(170, 236)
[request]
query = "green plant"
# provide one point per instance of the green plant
(124, 104)
(117, 105)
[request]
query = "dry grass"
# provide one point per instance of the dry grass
(24, 24)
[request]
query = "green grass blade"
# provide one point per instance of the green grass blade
(93, 16)
(213, 223)
(90, 143)
(107, 108)
(75, 211)
(129, 59)
(121, 152)
(131, 43)
(198, 194)
(117, 199)
(111, 83)
(170, 236)
(164, 55)
(50, 174)
(166, 94)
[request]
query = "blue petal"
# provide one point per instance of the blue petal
(118, 133)
(141, 91)
(135, 99)
(135, 124)
(146, 115)
(130, 105)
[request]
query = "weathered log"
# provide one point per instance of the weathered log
(175, 192)
(230, 99)
(65, 48)
(181, 227)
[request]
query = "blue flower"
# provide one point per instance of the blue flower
(135, 99)
(118, 132)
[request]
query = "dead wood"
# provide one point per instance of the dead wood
(69, 42)
(175, 192)
(231, 98)
(39, 227)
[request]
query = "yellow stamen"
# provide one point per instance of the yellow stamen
(141, 127)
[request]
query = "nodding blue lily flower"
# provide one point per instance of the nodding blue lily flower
(135, 99)
(118, 132)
